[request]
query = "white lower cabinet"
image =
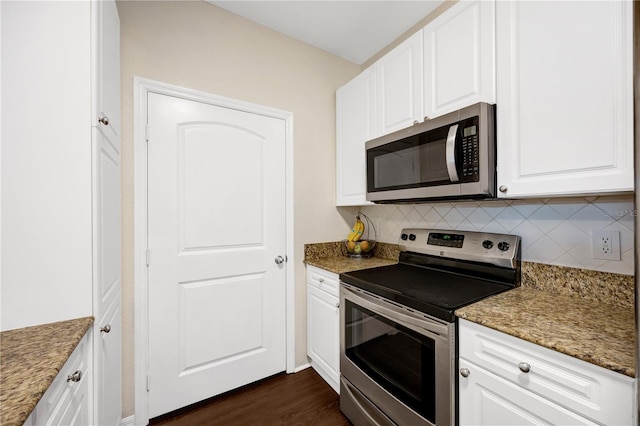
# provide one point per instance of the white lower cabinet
(504, 380)
(67, 401)
(323, 324)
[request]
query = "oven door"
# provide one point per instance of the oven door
(397, 365)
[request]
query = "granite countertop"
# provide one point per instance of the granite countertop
(333, 257)
(338, 265)
(30, 359)
(599, 333)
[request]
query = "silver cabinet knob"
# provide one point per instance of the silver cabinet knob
(321, 280)
(75, 377)
(338, 305)
(503, 188)
(279, 260)
(464, 372)
(524, 367)
(104, 120)
(415, 122)
(105, 329)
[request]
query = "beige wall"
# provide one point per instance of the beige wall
(199, 46)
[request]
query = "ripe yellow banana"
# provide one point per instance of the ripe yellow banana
(356, 231)
(359, 229)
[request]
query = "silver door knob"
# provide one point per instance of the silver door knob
(104, 120)
(105, 329)
(464, 372)
(502, 188)
(279, 260)
(524, 367)
(75, 377)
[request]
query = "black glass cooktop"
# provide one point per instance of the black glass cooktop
(430, 290)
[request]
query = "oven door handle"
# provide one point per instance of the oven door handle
(403, 319)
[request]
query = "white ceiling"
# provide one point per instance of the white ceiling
(355, 29)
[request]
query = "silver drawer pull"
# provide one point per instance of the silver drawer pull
(524, 367)
(503, 188)
(464, 372)
(75, 377)
(104, 120)
(337, 305)
(321, 280)
(105, 329)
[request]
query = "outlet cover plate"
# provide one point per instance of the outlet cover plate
(606, 245)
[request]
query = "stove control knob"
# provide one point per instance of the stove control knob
(412, 237)
(503, 246)
(404, 237)
(487, 244)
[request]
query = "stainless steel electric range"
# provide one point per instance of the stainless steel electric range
(398, 347)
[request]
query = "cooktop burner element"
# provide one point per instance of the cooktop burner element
(440, 271)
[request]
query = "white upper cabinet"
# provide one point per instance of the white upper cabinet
(564, 97)
(355, 124)
(399, 86)
(459, 59)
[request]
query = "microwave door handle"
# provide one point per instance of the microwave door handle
(451, 153)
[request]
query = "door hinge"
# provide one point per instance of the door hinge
(148, 254)
(146, 132)
(148, 382)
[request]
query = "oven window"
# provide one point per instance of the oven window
(397, 358)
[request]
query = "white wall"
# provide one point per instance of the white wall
(199, 46)
(556, 231)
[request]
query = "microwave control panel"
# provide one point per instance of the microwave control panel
(470, 150)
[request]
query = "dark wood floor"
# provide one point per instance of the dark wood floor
(285, 399)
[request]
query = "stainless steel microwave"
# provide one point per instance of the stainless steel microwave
(449, 157)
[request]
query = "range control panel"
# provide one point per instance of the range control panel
(498, 249)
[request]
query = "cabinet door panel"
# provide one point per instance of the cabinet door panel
(106, 56)
(486, 399)
(459, 65)
(108, 355)
(355, 118)
(323, 334)
(399, 86)
(564, 116)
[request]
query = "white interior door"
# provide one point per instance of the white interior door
(216, 223)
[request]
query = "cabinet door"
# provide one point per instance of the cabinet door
(106, 68)
(67, 401)
(355, 118)
(459, 60)
(486, 399)
(565, 97)
(399, 86)
(323, 334)
(106, 213)
(108, 366)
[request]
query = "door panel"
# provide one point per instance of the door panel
(201, 170)
(216, 223)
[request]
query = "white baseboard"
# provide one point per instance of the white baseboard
(129, 421)
(301, 367)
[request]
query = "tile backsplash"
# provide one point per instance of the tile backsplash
(554, 231)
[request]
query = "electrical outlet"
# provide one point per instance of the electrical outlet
(606, 245)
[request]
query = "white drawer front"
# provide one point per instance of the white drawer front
(66, 401)
(324, 280)
(594, 392)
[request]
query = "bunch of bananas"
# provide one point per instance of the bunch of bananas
(356, 232)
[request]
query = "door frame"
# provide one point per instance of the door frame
(142, 87)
